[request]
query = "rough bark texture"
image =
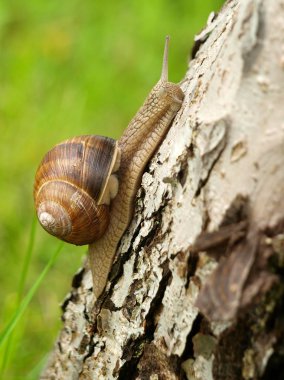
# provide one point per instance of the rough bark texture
(196, 291)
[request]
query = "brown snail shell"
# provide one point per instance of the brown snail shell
(73, 188)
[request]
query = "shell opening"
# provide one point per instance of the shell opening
(110, 191)
(110, 188)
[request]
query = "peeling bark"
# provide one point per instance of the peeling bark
(196, 290)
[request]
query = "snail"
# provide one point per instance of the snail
(85, 187)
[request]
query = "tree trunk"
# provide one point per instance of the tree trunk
(196, 289)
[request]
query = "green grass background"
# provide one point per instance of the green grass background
(68, 68)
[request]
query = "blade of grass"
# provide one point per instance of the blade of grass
(24, 272)
(34, 374)
(27, 260)
(20, 311)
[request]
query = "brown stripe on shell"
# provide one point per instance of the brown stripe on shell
(85, 161)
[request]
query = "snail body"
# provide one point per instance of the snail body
(127, 160)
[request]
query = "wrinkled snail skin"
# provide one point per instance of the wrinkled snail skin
(137, 145)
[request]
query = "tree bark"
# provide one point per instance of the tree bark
(196, 289)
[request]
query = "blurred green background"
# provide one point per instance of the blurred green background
(68, 68)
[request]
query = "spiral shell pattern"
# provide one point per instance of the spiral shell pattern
(69, 184)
